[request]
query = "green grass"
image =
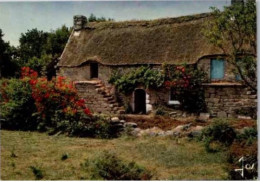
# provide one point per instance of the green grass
(168, 159)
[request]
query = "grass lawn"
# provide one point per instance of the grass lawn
(168, 159)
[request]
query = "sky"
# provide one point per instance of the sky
(18, 17)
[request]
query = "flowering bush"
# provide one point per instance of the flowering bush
(53, 104)
(185, 83)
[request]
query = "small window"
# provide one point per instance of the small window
(217, 68)
(173, 98)
(93, 70)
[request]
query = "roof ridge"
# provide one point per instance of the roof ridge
(147, 23)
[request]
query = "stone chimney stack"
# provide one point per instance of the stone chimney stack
(79, 22)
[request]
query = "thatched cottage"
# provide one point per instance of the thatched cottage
(94, 50)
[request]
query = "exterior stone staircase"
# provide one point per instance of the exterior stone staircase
(98, 97)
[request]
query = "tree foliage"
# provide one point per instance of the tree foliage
(234, 32)
(39, 49)
(8, 66)
(126, 83)
(93, 18)
(56, 41)
(31, 45)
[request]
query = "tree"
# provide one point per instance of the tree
(234, 32)
(93, 18)
(31, 45)
(55, 45)
(57, 40)
(40, 50)
(8, 66)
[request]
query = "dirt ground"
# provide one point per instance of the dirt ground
(167, 123)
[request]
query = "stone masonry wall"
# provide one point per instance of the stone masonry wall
(96, 99)
(93, 100)
(75, 73)
(220, 99)
(104, 72)
(223, 101)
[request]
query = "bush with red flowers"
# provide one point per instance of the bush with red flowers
(185, 83)
(33, 102)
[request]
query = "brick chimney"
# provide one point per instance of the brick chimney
(79, 22)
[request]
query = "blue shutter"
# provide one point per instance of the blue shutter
(217, 69)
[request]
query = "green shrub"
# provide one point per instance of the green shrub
(98, 126)
(249, 135)
(109, 167)
(248, 111)
(126, 83)
(160, 111)
(37, 172)
(219, 131)
(17, 105)
(64, 156)
(39, 64)
(13, 155)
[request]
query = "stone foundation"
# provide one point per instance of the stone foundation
(224, 100)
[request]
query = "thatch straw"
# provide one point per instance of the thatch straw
(170, 40)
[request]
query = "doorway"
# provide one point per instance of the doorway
(93, 70)
(140, 101)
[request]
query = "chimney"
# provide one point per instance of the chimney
(79, 22)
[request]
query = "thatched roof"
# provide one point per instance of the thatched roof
(171, 40)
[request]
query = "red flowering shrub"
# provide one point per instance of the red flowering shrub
(55, 103)
(185, 84)
(33, 103)
(55, 100)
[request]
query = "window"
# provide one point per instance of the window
(217, 68)
(93, 70)
(173, 98)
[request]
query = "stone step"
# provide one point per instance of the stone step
(99, 85)
(101, 99)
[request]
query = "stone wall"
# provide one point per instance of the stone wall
(220, 99)
(104, 72)
(223, 100)
(75, 73)
(153, 98)
(96, 98)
